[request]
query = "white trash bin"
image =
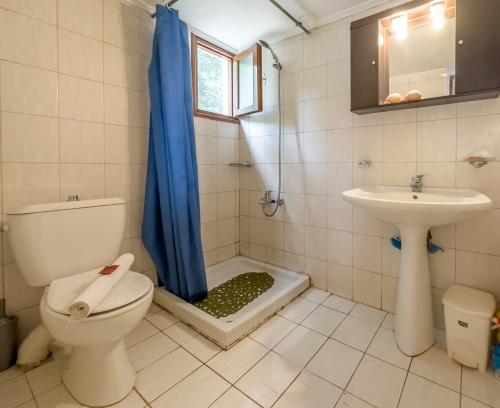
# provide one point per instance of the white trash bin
(467, 315)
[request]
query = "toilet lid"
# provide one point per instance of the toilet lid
(131, 287)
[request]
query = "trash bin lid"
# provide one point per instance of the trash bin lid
(470, 301)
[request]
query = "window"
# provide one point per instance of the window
(225, 86)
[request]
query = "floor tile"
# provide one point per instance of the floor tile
(389, 321)
(324, 320)
(163, 374)
(133, 400)
(339, 303)
(298, 310)
(14, 392)
(202, 348)
(350, 401)
(46, 376)
(57, 397)
(384, 347)
(180, 333)
(315, 295)
(198, 390)
(470, 403)
(355, 332)
(300, 345)
(148, 351)
(265, 382)
(10, 374)
(435, 365)
(233, 363)
(421, 393)
(483, 387)
(335, 362)
(162, 319)
(141, 332)
(29, 404)
(153, 309)
(234, 398)
(377, 382)
(273, 331)
(368, 313)
(307, 391)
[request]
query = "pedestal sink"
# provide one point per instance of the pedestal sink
(414, 213)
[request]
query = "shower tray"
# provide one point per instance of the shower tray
(228, 330)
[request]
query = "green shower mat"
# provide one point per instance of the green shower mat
(231, 296)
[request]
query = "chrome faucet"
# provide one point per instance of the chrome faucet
(417, 182)
(267, 199)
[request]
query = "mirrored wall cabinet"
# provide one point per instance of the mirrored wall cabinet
(425, 53)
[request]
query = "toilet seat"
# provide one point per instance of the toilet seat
(130, 288)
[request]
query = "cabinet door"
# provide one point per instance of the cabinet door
(364, 66)
(478, 45)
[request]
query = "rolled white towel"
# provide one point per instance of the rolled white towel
(99, 288)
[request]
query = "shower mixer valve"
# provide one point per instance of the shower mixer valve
(267, 199)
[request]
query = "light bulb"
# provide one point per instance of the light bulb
(399, 25)
(437, 11)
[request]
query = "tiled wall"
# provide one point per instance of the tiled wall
(345, 250)
(217, 146)
(74, 116)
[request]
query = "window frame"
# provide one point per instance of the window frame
(195, 43)
(256, 51)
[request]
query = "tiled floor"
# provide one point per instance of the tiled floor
(321, 351)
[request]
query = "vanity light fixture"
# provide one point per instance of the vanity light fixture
(437, 11)
(399, 25)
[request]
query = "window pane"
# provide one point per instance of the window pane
(213, 82)
(245, 86)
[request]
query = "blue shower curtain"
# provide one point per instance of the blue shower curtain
(171, 222)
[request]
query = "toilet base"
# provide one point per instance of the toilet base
(99, 376)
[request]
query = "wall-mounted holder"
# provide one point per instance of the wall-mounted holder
(364, 163)
(478, 161)
(244, 164)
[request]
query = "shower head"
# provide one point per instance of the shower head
(276, 64)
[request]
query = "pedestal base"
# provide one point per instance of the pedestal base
(414, 326)
(99, 376)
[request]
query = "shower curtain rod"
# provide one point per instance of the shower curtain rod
(274, 2)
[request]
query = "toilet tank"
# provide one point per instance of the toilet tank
(54, 240)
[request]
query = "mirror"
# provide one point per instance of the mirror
(417, 53)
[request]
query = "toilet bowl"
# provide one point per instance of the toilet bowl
(60, 240)
(98, 371)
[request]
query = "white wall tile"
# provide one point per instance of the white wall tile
(399, 143)
(314, 50)
(436, 140)
(80, 56)
(28, 90)
(82, 16)
(315, 85)
(121, 106)
(122, 68)
(121, 28)
(80, 99)
(85, 180)
(44, 10)
(81, 142)
(27, 41)
(28, 139)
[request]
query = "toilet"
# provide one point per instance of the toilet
(55, 240)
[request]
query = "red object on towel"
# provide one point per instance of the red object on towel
(108, 269)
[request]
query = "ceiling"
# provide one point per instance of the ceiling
(239, 23)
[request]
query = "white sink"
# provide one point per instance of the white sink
(414, 213)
